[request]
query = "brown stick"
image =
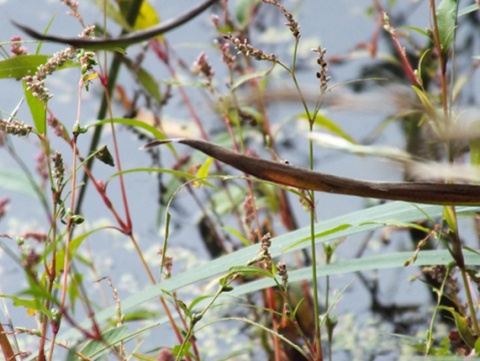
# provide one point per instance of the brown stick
(122, 41)
(418, 192)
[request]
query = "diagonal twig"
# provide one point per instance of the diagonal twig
(418, 192)
(122, 41)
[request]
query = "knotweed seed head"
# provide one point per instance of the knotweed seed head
(57, 127)
(15, 46)
(227, 57)
(282, 272)
(249, 210)
(73, 5)
(246, 49)
(58, 169)
(36, 83)
(265, 244)
(15, 127)
(88, 62)
(291, 22)
(41, 167)
(3, 206)
(323, 73)
(201, 66)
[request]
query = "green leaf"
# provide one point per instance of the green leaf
(468, 9)
(15, 181)
(247, 77)
(19, 66)
(203, 171)
(327, 232)
(450, 218)
(446, 20)
(109, 338)
(251, 271)
(37, 109)
(154, 132)
(418, 30)
(72, 249)
(399, 211)
(149, 84)
(326, 123)
(168, 171)
(463, 328)
(104, 155)
(113, 13)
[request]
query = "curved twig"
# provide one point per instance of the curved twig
(122, 41)
(418, 192)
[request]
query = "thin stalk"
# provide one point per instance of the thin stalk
(316, 313)
(102, 112)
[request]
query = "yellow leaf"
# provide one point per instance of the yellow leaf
(91, 76)
(203, 171)
(147, 17)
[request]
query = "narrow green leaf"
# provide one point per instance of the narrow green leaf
(425, 101)
(203, 171)
(418, 30)
(326, 123)
(149, 84)
(15, 181)
(251, 271)
(154, 132)
(401, 211)
(468, 9)
(327, 232)
(247, 77)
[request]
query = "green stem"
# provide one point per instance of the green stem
(102, 112)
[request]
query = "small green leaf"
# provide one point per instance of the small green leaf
(446, 20)
(203, 171)
(450, 217)
(104, 155)
(462, 325)
(251, 270)
(326, 123)
(37, 109)
(430, 109)
(413, 28)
